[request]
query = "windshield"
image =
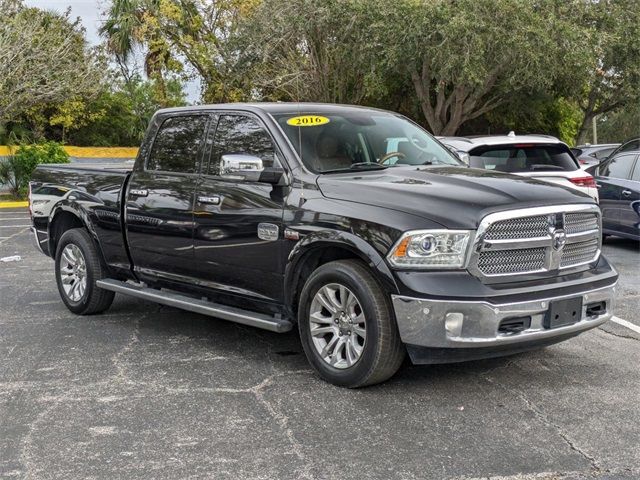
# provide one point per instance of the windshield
(360, 141)
(523, 158)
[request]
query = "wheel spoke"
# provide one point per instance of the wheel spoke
(325, 302)
(317, 317)
(359, 331)
(322, 331)
(68, 279)
(329, 346)
(335, 355)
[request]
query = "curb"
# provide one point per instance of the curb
(14, 204)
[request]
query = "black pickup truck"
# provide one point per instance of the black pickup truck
(353, 223)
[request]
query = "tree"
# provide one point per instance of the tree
(304, 50)
(187, 37)
(611, 75)
(466, 57)
(43, 58)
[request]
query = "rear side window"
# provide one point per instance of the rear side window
(522, 158)
(177, 144)
(239, 134)
(619, 166)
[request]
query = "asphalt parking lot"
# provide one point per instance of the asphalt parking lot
(146, 391)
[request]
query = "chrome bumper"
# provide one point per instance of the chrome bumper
(460, 324)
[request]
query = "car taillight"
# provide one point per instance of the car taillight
(584, 181)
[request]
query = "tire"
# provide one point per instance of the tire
(78, 266)
(371, 350)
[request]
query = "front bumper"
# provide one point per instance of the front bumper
(443, 331)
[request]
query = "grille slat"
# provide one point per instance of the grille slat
(580, 252)
(539, 259)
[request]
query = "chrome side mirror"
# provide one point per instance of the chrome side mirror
(249, 168)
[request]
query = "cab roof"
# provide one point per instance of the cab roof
(277, 108)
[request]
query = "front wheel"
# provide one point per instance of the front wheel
(78, 266)
(347, 326)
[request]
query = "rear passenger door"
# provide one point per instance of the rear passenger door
(611, 179)
(160, 198)
(238, 223)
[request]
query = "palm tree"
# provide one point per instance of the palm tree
(124, 29)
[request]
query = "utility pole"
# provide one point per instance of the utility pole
(595, 130)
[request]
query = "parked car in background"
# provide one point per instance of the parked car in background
(618, 180)
(589, 155)
(536, 156)
(628, 146)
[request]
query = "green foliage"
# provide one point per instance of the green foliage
(16, 170)
(44, 58)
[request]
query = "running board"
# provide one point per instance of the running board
(204, 307)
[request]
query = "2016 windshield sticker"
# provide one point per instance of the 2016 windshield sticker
(307, 121)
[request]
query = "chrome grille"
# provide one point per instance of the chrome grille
(539, 240)
(578, 253)
(580, 222)
(503, 262)
(525, 227)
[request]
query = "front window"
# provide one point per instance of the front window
(338, 142)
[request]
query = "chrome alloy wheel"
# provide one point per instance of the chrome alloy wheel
(73, 272)
(337, 325)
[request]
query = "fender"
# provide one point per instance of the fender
(345, 240)
(75, 209)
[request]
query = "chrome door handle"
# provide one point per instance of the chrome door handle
(139, 193)
(211, 200)
(626, 193)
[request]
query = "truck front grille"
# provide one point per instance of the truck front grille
(541, 240)
(504, 262)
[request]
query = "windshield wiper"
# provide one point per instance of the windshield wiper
(358, 166)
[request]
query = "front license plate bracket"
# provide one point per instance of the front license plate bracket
(563, 312)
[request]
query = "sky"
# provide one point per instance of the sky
(90, 13)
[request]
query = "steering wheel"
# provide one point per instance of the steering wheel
(390, 155)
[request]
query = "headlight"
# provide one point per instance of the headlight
(430, 249)
(39, 202)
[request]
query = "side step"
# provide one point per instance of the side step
(184, 302)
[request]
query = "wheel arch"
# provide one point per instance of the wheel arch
(66, 216)
(320, 248)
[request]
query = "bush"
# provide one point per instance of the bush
(16, 170)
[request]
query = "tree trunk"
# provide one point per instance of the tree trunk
(583, 132)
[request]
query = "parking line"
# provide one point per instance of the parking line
(627, 324)
(14, 226)
(14, 218)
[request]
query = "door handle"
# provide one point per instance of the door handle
(211, 200)
(598, 185)
(139, 193)
(626, 193)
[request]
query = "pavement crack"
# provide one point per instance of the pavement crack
(628, 337)
(544, 418)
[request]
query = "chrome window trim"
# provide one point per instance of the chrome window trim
(552, 257)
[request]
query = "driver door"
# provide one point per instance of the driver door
(238, 223)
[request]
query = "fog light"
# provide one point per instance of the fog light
(453, 324)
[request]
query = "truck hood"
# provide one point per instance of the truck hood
(454, 197)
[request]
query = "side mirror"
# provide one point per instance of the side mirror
(249, 168)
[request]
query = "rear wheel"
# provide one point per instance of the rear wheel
(78, 266)
(347, 326)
